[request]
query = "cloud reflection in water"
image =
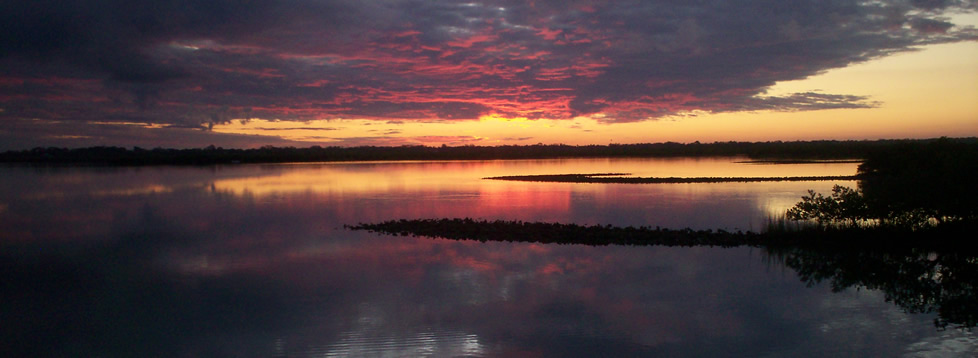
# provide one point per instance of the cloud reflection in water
(221, 264)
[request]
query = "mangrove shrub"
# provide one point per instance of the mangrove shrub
(845, 206)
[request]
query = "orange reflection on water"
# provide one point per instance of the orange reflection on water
(393, 177)
(556, 198)
(375, 177)
(374, 191)
(315, 180)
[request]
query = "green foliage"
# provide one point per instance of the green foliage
(912, 219)
(845, 207)
(850, 208)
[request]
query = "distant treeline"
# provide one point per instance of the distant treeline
(800, 150)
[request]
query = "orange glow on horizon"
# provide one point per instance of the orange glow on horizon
(923, 94)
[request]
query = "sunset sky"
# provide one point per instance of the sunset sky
(247, 73)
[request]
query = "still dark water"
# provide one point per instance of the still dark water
(253, 261)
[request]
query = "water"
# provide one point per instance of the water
(252, 260)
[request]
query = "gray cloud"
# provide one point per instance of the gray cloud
(19, 134)
(297, 128)
(199, 63)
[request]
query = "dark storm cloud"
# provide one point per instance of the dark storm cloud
(113, 36)
(930, 25)
(942, 4)
(199, 63)
(15, 133)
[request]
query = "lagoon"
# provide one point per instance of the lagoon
(253, 260)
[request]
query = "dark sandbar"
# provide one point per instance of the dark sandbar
(947, 237)
(621, 178)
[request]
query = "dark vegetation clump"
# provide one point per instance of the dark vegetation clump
(911, 186)
(621, 178)
(937, 180)
(944, 237)
(557, 233)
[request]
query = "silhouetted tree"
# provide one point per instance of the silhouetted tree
(933, 179)
(909, 185)
(845, 206)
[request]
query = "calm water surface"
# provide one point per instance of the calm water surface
(253, 260)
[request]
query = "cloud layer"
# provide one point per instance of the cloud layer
(193, 64)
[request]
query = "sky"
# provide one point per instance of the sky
(248, 73)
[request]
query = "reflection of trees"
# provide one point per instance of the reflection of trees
(907, 186)
(924, 271)
(916, 280)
